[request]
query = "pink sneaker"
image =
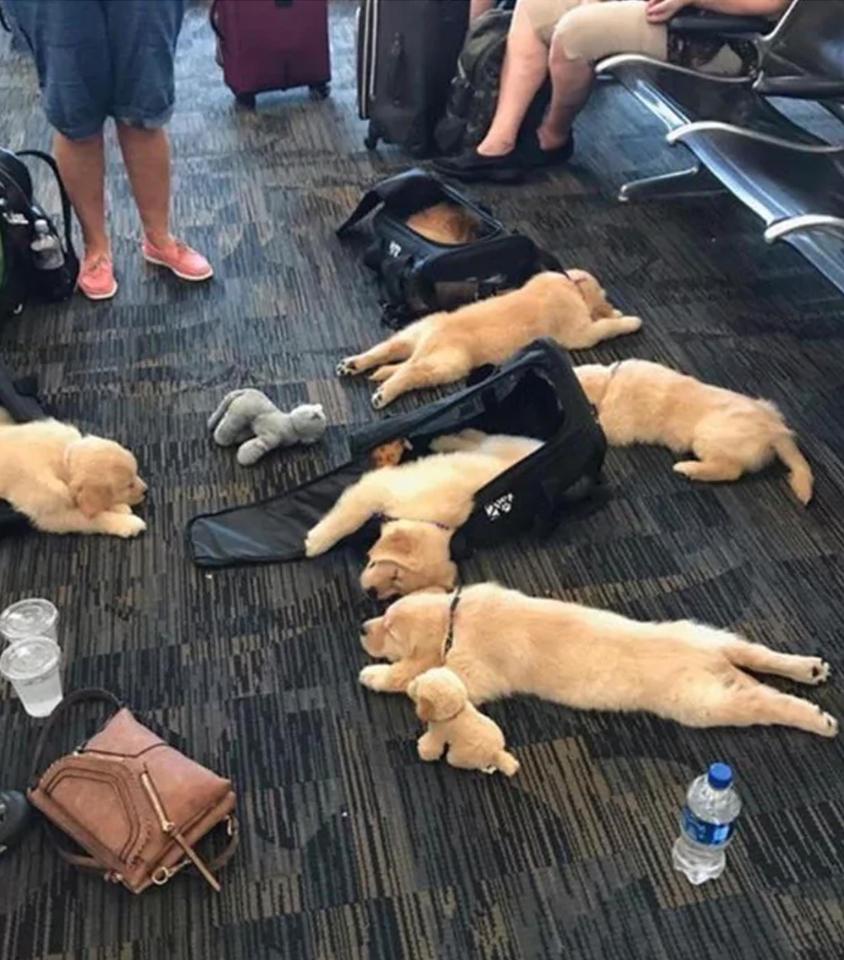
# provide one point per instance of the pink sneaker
(96, 278)
(179, 258)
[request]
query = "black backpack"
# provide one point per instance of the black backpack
(418, 276)
(473, 95)
(20, 277)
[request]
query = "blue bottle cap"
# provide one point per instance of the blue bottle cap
(720, 776)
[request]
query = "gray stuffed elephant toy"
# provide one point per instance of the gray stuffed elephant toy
(250, 418)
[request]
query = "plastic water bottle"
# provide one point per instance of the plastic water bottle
(46, 248)
(706, 825)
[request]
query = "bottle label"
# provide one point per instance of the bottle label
(710, 834)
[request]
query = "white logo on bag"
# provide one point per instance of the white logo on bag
(394, 249)
(502, 505)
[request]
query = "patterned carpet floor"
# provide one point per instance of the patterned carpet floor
(352, 848)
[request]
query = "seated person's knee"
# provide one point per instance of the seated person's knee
(579, 36)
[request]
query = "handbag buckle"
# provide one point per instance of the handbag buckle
(161, 875)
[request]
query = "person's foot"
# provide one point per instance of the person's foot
(537, 155)
(96, 277)
(472, 167)
(180, 259)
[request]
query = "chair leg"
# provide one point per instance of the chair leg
(697, 181)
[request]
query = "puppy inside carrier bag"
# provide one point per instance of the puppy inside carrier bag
(435, 249)
(536, 394)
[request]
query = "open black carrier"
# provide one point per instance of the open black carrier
(536, 394)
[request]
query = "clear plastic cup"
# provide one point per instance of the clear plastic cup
(32, 667)
(33, 617)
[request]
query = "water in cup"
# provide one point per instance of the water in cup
(33, 617)
(32, 667)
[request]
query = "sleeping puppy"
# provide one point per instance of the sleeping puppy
(66, 483)
(730, 434)
(446, 347)
(445, 223)
(504, 643)
(422, 503)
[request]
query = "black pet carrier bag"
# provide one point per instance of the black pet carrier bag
(418, 276)
(536, 394)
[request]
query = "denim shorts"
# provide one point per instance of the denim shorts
(102, 58)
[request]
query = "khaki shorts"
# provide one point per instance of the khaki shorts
(594, 29)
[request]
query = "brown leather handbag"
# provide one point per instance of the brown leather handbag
(134, 803)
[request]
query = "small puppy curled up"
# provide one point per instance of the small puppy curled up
(389, 454)
(64, 482)
(504, 643)
(423, 502)
(474, 742)
(445, 223)
(642, 402)
(572, 309)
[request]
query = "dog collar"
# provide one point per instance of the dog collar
(615, 368)
(385, 518)
(452, 610)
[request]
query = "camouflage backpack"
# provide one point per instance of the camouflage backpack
(474, 91)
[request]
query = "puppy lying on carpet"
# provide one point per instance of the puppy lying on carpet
(422, 502)
(500, 643)
(66, 483)
(730, 434)
(474, 741)
(446, 347)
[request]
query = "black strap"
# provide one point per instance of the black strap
(452, 610)
(78, 696)
(4, 23)
(66, 208)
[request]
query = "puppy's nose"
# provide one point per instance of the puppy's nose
(143, 487)
(372, 593)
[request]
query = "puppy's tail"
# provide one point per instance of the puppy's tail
(225, 403)
(506, 763)
(800, 476)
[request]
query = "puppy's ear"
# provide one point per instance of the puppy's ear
(91, 498)
(425, 709)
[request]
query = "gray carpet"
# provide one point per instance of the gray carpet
(352, 848)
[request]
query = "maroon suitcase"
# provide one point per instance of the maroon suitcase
(272, 45)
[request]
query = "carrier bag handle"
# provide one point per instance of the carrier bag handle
(67, 214)
(381, 193)
(78, 696)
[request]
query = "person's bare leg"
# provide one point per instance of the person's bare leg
(524, 71)
(82, 166)
(571, 83)
(146, 154)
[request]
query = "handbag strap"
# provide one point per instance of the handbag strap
(78, 696)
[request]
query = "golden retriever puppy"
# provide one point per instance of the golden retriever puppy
(422, 503)
(445, 223)
(501, 642)
(445, 347)
(66, 483)
(730, 434)
(474, 742)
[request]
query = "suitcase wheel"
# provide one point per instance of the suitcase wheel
(319, 91)
(246, 100)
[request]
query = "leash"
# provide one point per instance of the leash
(452, 610)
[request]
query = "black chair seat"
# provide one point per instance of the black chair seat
(678, 97)
(779, 183)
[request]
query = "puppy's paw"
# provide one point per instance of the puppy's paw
(378, 401)
(121, 508)
(632, 324)
(126, 525)
(374, 677)
(347, 367)
(829, 725)
(686, 468)
(819, 670)
(428, 750)
(316, 542)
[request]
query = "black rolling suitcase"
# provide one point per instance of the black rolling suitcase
(407, 55)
